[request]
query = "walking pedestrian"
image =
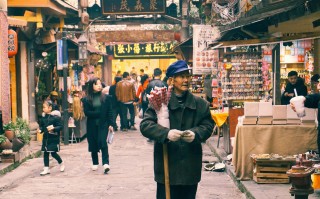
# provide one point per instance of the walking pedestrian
(156, 81)
(50, 126)
(115, 105)
(126, 94)
(190, 125)
(141, 93)
(97, 107)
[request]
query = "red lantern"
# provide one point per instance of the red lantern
(12, 43)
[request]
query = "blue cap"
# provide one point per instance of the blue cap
(177, 67)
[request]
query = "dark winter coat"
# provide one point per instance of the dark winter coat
(185, 159)
(299, 86)
(153, 83)
(97, 134)
(50, 141)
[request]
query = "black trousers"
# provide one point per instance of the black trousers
(177, 191)
(105, 157)
(54, 155)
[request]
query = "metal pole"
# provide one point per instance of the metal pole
(65, 89)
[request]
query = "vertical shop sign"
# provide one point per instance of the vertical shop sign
(204, 60)
(59, 54)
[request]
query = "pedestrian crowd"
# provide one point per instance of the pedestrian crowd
(189, 117)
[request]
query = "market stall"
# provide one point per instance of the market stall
(262, 139)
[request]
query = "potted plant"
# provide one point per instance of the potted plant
(9, 130)
(5, 142)
(22, 134)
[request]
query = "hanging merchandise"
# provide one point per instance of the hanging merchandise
(265, 76)
(12, 43)
(309, 60)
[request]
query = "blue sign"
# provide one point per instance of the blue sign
(59, 54)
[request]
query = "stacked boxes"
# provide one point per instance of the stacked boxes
(251, 112)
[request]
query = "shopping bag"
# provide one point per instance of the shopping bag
(110, 137)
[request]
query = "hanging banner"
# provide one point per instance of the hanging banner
(59, 54)
(127, 7)
(204, 59)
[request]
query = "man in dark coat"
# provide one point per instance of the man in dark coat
(190, 125)
(156, 81)
(295, 82)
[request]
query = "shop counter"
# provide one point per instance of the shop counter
(261, 139)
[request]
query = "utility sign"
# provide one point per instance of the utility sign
(127, 7)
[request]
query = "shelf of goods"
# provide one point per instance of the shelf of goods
(244, 80)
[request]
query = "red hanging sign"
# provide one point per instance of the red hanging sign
(12, 43)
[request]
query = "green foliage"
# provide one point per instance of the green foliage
(42, 90)
(2, 139)
(22, 130)
(9, 126)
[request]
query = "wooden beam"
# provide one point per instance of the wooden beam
(48, 5)
(299, 25)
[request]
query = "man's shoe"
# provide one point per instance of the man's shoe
(124, 130)
(133, 128)
(45, 171)
(62, 167)
(94, 167)
(106, 168)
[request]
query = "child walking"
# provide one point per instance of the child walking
(50, 126)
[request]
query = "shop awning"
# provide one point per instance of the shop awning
(16, 22)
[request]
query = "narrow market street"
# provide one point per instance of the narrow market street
(131, 174)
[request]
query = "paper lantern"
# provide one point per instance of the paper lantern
(12, 43)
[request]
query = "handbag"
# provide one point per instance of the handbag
(110, 137)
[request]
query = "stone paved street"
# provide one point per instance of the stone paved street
(131, 175)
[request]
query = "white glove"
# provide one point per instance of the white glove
(174, 135)
(188, 136)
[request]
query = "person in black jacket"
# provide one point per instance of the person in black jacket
(98, 109)
(313, 101)
(115, 104)
(295, 82)
(156, 81)
(50, 126)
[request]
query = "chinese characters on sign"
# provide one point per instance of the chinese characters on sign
(160, 49)
(204, 61)
(133, 6)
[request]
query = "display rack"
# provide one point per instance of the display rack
(196, 84)
(243, 81)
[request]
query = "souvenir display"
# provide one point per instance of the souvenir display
(244, 80)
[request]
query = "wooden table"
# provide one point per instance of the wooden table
(277, 139)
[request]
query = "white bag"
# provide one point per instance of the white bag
(110, 137)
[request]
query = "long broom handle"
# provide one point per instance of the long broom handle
(166, 170)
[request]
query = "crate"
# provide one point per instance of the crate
(10, 158)
(271, 171)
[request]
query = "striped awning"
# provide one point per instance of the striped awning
(16, 22)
